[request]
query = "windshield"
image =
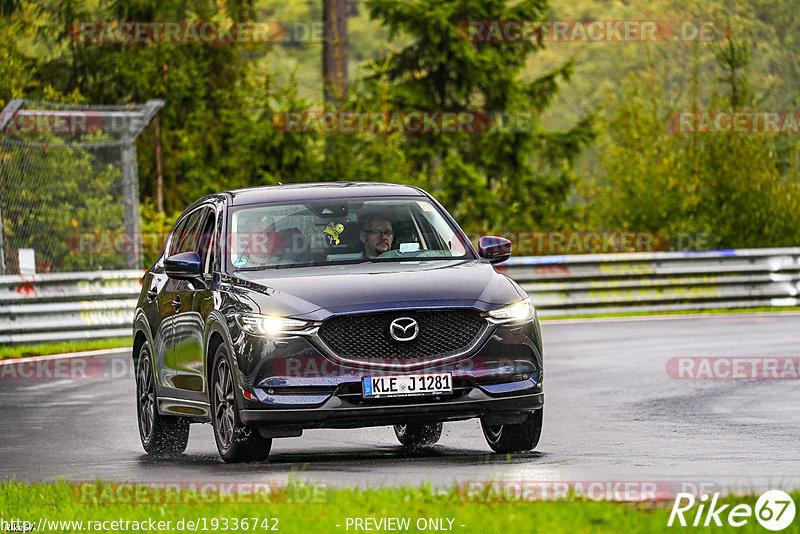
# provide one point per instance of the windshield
(329, 232)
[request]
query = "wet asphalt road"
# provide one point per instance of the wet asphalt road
(612, 413)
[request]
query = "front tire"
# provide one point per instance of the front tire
(520, 437)
(415, 436)
(161, 435)
(236, 442)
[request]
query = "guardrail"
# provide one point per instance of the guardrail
(60, 307)
(659, 281)
(54, 307)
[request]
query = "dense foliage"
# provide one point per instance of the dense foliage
(598, 154)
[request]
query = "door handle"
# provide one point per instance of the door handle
(152, 294)
(176, 302)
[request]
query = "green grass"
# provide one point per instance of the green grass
(43, 349)
(60, 501)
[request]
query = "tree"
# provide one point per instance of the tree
(45, 205)
(216, 125)
(501, 178)
(725, 184)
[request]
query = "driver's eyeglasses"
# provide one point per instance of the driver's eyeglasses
(385, 233)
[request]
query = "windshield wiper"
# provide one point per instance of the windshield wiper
(292, 265)
(242, 269)
(397, 259)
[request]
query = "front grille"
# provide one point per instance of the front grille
(366, 336)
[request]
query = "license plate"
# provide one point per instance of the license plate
(394, 386)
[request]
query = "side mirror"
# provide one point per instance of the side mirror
(184, 266)
(494, 249)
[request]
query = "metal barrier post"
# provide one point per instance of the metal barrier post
(9, 111)
(5, 118)
(2, 254)
(130, 182)
(130, 195)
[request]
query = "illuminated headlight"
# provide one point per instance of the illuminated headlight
(519, 312)
(271, 325)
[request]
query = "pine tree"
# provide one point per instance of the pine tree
(509, 178)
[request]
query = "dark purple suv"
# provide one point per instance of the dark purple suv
(337, 305)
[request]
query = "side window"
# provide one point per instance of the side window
(187, 238)
(207, 240)
(175, 237)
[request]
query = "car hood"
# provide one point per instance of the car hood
(315, 293)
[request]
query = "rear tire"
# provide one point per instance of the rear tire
(161, 435)
(415, 436)
(520, 437)
(236, 442)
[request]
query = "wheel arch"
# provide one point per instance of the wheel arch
(216, 335)
(141, 334)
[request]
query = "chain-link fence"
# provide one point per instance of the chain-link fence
(69, 186)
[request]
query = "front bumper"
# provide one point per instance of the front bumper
(339, 413)
(294, 386)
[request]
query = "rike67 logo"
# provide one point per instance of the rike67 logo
(774, 510)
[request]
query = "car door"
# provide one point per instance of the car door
(192, 298)
(159, 313)
(170, 301)
(162, 292)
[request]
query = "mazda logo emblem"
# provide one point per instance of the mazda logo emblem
(404, 329)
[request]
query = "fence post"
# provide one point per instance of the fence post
(130, 198)
(130, 182)
(9, 111)
(5, 119)
(2, 253)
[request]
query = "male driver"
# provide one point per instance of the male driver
(376, 236)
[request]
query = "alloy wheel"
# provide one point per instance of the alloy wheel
(146, 398)
(223, 405)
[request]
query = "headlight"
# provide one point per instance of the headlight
(272, 325)
(519, 312)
